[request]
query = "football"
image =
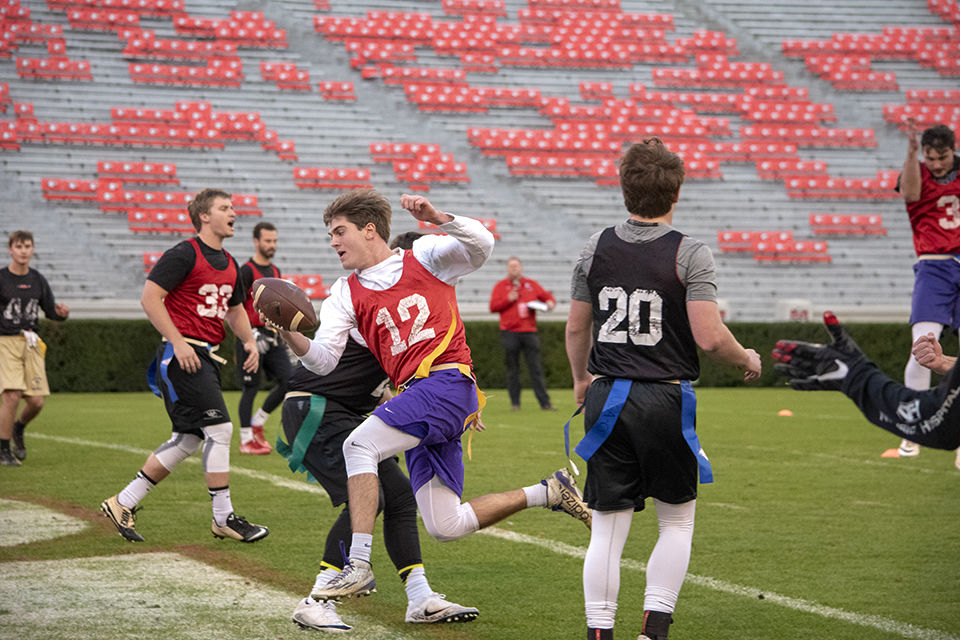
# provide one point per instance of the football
(284, 304)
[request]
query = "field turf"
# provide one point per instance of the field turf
(806, 533)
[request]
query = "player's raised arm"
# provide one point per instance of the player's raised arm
(465, 248)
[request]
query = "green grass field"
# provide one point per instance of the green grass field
(806, 533)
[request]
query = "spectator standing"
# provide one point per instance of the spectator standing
(517, 300)
(930, 188)
(274, 357)
(23, 374)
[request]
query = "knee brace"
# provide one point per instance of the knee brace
(360, 455)
(178, 448)
(216, 447)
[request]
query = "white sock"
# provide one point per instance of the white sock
(136, 491)
(536, 495)
(324, 577)
(222, 506)
(417, 586)
(246, 434)
(361, 544)
(259, 418)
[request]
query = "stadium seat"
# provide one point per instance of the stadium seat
(791, 251)
(330, 178)
(847, 225)
(744, 241)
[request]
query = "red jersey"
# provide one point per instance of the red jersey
(199, 303)
(516, 316)
(256, 272)
(935, 217)
(414, 322)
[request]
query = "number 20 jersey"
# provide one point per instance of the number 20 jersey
(199, 303)
(411, 321)
(640, 325)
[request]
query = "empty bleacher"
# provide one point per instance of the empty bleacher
(517, 109)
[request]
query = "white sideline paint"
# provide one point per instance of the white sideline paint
(149, 595)
(902, 629)
(285, 483)
(22, 522)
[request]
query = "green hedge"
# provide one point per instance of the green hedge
(113, 355)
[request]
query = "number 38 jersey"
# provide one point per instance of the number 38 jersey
(199, 293)
(413, 321)
(640, 325)
(935, 217)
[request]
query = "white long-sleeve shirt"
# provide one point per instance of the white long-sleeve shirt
(465, 248)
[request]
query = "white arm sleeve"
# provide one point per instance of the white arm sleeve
(337, 318)
(463, 250)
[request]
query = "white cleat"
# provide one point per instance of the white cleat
(435, 608)
(319, 616)
(356, 579)
(563, 495)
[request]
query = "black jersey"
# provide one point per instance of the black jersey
(22, 298)
(355, 382)
(640, 326)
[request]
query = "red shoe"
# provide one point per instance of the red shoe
(258, 437)
(255, 448)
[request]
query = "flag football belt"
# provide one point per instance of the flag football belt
(159, 367)
(603, 425)
(938, 256)
(295, 452)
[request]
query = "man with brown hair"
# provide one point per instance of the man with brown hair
(193, 288)
(643, 298)
(23, 375)
(274, 357)
(930, 187)
(404, 306)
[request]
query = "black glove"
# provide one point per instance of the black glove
(811, 366)
(266, 339)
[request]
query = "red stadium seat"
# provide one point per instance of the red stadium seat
(846, 224)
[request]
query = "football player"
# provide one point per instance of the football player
(930, 418)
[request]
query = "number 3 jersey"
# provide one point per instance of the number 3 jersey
(202, 283)
(638, 277)
(935, 217)
(414, 321)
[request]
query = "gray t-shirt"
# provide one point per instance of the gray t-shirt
(695, 266)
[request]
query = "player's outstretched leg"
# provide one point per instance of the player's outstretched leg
(122, 518)
(237, 528)
(436, 609)
(563, 495)
(319, 616)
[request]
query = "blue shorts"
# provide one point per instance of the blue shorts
(434, 409)
(936, 292)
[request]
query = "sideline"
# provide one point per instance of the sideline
(887, 625)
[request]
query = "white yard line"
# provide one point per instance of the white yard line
(887, 625)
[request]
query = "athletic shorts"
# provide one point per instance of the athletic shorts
(22, 368)
(645, 455)
(275, 363)
(192, 400)
(434, 409)
(324, 456)
(936, 292)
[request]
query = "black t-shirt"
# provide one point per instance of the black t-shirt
(178, 261)
(355, 382)
(264, 271)
(21, 298)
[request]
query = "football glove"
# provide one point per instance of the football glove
(32, 338)
(814, 367)
(266, 339)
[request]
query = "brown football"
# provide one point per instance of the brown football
(284, 303)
